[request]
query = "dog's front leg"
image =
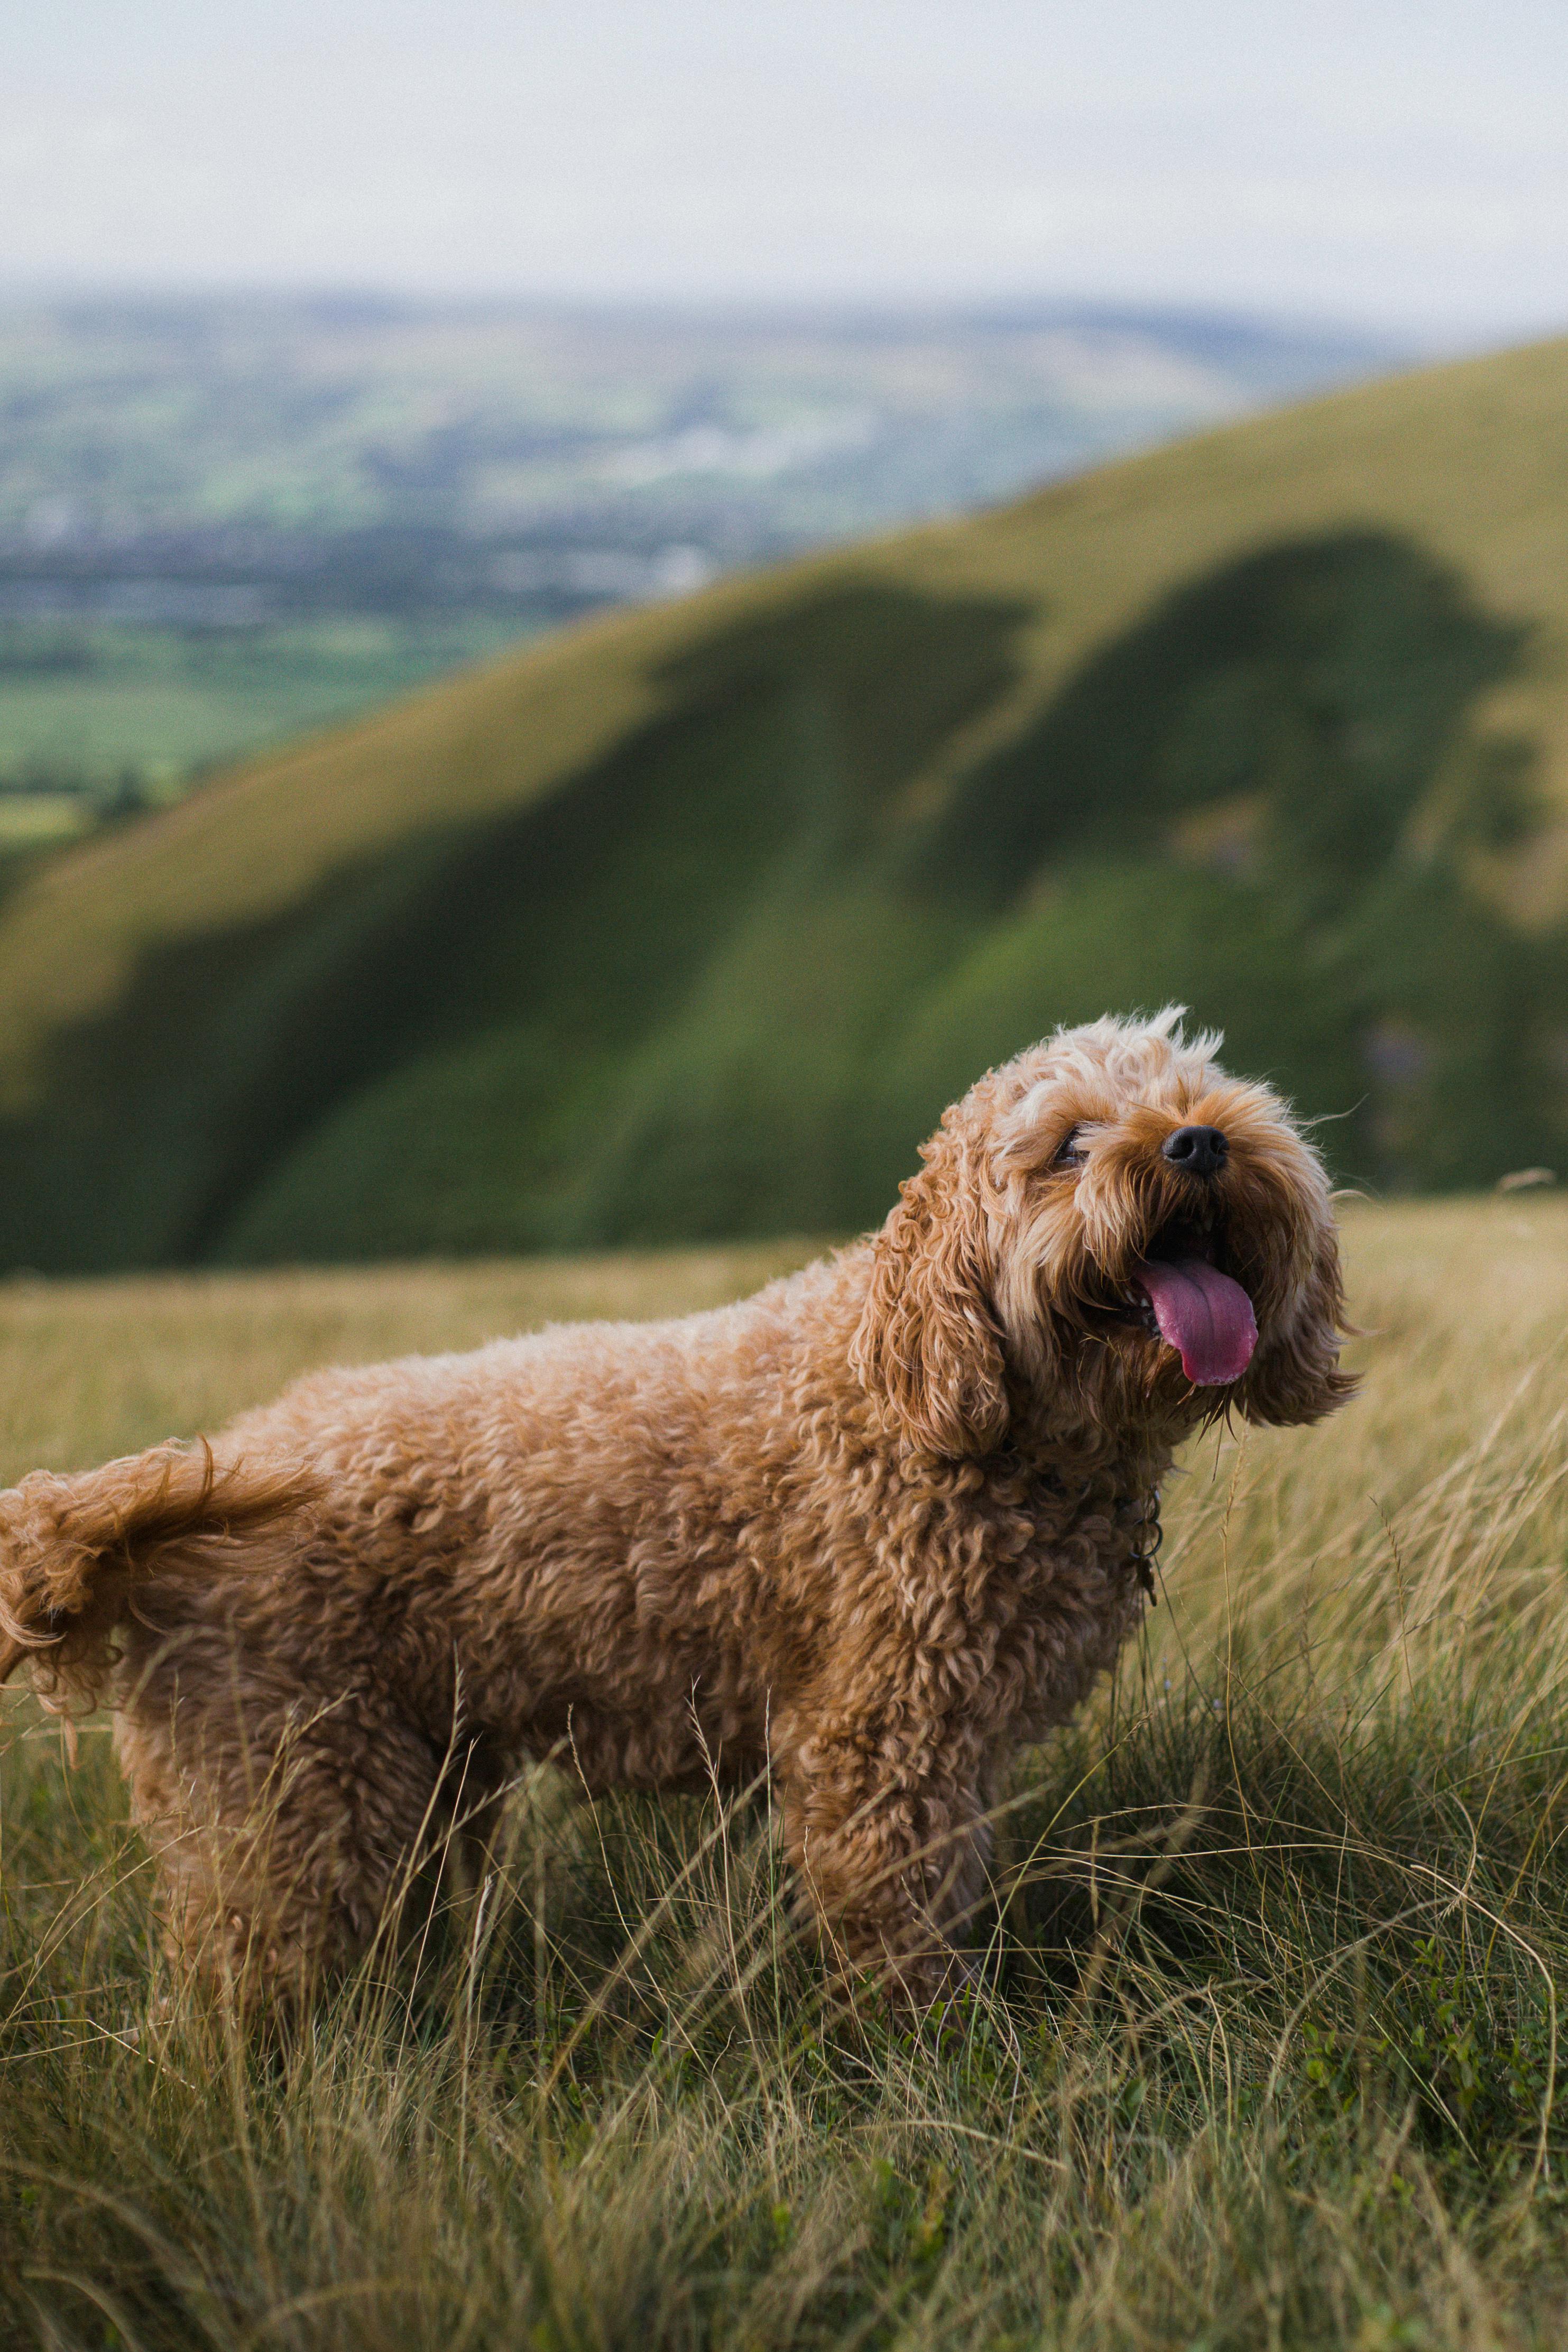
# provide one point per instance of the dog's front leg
(892, 1844)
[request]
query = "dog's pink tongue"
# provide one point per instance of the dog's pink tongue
(1205, 1314)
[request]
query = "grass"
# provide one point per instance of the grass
(165, 700)
(1268, 2052)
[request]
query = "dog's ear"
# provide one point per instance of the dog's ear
(929, 1343)
(1295, 1376)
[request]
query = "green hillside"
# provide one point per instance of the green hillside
(685, 924)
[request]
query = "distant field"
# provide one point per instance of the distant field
(80, 705)
(227, 434)
(1270, 2050)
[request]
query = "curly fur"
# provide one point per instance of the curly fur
(871, 1529)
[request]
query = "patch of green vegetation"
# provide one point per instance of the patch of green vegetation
(168, 702)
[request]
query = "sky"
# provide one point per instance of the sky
(1392, 164)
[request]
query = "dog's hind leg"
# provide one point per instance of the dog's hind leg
(292, 1829)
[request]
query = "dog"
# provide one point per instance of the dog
(868, 1531)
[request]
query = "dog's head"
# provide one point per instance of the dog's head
(1113, 1233)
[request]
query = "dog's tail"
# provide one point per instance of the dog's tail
(75, 1552)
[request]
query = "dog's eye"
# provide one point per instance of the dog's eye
(1070, 1151)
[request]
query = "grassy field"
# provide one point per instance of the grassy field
(1268, 2052)
(165, 701)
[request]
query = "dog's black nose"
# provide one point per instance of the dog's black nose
(1196, 1150)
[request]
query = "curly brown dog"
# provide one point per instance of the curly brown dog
(871, 1529)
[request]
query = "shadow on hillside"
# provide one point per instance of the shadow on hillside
(500, 973)
(1314, 693)
(1275, 799)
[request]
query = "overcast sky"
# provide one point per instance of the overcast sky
(1402, 162)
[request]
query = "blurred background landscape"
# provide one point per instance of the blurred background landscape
(224, 519)
(573, 668)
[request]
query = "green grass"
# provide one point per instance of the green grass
(683, 925)
(165, 701)
(1268, 2049)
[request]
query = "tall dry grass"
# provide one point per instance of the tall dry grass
(1268, 2046)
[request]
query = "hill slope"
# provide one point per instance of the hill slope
(687, 923)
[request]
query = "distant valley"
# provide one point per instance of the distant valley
(224, 522)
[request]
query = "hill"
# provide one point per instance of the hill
(687, 922)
